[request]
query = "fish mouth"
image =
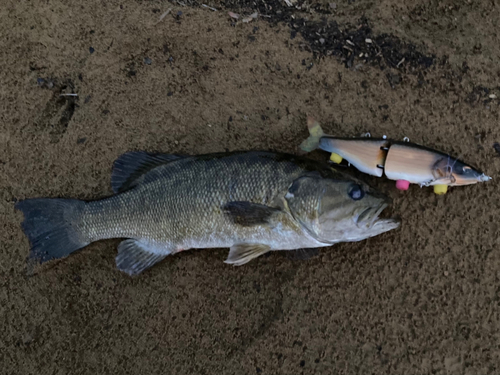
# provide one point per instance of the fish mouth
(370, 218)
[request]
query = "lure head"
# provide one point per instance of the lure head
(456, 173)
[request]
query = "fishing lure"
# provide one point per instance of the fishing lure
(406, 163)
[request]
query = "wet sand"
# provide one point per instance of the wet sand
(422, 299)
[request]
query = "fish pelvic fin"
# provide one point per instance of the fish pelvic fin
(130, 168)
(315, 133)
(135, 256)
(243, 253)
(52, 227)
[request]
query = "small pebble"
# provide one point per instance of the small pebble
(147, 61)
(492, 96)
(322, 41)
(368, 41)
(45, 83)
(91, 50)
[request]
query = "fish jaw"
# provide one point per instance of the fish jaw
(356, 233)
(369, 223)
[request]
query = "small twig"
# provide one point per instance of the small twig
(211, 8)
(250, 17)
(165, 14)
(181, 3)
(68, 95)
(399, 63)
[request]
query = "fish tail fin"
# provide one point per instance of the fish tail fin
(53, 227)
(315, 133)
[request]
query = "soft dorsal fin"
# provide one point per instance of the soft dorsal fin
(130, 167)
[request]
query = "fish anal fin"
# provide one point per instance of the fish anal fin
(135, 256)
(243, 253)
(129, 169)
(248, 213)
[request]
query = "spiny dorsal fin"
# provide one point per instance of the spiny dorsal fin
(134, 256)
(129, 168)
(248, 213)
(244, 252)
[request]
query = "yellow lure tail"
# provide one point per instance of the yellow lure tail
(315, 133)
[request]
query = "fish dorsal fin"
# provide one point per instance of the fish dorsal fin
(134, 256)
(247, 213)
(129, 168)
(244, 252)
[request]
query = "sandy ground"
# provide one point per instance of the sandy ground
(423, 299)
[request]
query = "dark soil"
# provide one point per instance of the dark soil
(419, 300)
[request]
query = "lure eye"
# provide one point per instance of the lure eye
(356, 192)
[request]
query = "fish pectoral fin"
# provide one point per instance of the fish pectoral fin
(135, 256)
(244, 252)
(129, 168)
(248, 214)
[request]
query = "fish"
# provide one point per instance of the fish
(400, 161)
(251, 202)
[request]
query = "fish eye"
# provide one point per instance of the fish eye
(356, 192)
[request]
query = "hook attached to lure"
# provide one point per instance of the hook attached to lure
(406, 163)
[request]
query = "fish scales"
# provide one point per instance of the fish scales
(184, 200)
